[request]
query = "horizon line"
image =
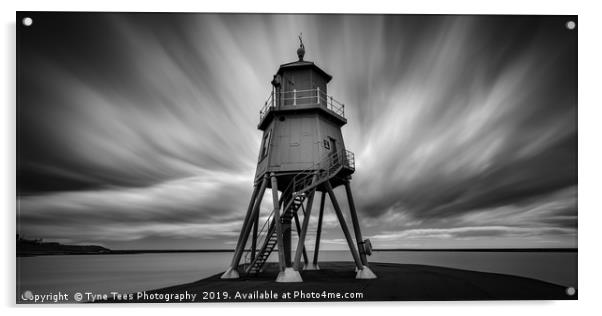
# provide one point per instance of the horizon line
(559, 249)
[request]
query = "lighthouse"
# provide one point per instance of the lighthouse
(302, 154)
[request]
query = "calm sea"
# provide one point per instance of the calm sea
(136, 272)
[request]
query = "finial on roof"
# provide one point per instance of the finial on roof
(301, 49)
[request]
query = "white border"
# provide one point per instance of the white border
(590, 159)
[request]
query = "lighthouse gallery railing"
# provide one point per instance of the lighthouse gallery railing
(301, 97)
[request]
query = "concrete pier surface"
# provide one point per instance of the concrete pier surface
(395, 282)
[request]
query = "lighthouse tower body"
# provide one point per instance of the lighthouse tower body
(302, 153)
(301, 124)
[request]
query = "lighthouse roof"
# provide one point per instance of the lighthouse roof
(301, 64)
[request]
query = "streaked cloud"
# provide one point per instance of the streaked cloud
(140, 130)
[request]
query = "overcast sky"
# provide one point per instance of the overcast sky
(140, 131)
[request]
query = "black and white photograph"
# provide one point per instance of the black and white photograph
(295, 157)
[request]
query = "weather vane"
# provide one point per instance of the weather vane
(301, 49)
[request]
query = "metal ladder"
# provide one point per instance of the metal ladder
(270, 237)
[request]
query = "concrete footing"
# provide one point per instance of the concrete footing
(365, 273)
(311, 266)
(289, 275)
(230, 274)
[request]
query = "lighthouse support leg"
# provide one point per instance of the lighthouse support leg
(356, 226)
(314, 265)
(232, 272)
(298, 226)
(301, 242)
(286, 239)
(254, 237)
(337, 209)
(285, 228)
(278, 223)
(287, 274)
(364, 273)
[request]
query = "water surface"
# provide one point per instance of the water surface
(127, 273)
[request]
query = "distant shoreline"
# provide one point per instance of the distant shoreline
(375, 250)
(150, 251)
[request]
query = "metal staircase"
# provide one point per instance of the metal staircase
(298, 189)
(270, 239)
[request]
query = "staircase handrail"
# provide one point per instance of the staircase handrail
(261, 236)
